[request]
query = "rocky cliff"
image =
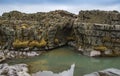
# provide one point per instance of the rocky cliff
(93, 32)
(103, 39)
(101, 17)
(35, 31)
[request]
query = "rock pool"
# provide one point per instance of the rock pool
(61, 59)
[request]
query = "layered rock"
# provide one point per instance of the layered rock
(39, 30)
(95, 33)
(101, 17)
(98, 37)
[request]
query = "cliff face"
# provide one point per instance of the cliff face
(98, 32)
(104, 38)
(39, 30)
(94, 32)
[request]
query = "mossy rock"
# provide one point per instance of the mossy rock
(100, 48)
(20, 44)
(37, 44)
(33, 43)
(42, 43)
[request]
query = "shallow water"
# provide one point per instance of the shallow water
(61, 59)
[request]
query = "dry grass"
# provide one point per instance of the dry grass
(56, 41)
(20, 44)
(100, 48)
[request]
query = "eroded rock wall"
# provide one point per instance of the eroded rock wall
(100, 37)
(37, 31)
(101, 17)
(94, 32)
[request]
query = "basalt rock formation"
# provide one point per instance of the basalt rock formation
(94, 33)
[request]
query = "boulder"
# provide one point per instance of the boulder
(14, 70)
(95, 53)
(31, 54)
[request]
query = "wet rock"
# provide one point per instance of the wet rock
(89, 52)
(107, 72)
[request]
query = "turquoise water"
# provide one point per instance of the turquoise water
(61, 59)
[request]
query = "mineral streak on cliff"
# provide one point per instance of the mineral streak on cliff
(94, 30)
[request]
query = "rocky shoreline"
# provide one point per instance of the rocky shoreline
(92, 33)
(6, 54)
(107, 72)
(14, 70)
(95, 32)
(93, 53)
(22, 70)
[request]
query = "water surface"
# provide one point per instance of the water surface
(61, 59)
